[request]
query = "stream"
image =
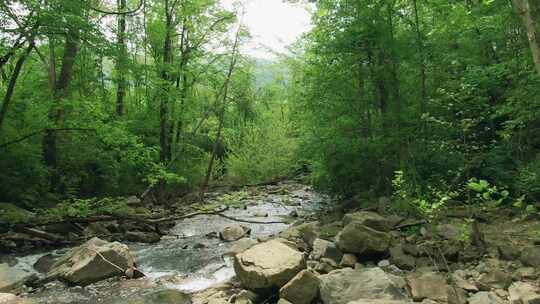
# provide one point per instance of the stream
(187, 259)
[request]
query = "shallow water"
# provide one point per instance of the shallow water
(186, 259)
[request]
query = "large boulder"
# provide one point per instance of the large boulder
(93, 261)
(302, 289)
(345, 285)
(268, 265)
(402, 260)
(369, 219)
(12, 278)
(428, 285)
(362, 240)
(233, 233)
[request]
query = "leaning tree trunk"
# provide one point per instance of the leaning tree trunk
(524, 10)
(13, 82)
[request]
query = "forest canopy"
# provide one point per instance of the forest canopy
(425, 100)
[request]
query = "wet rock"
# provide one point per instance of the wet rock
(323, 267)
(362, 240)
(485, 297)
(142, 237)
(345, 285)
(523, 293)
(401, 259)
(428, 285)
(494, 279)
(530, 256)
(86, 264)
(96, 229)
(12, 278)
(348, 260)
(44, 263)
(283, 301)
(234, 233)
(268, 265)
(383, 263)
(260, 214)
(212, 235)
(301, 289)
(164, 297)
(326, 249)
(219, 294)
(369, 219)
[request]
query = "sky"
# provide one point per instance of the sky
(273, 24)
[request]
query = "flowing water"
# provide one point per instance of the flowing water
(188, 259)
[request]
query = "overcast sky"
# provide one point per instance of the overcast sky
(273, 24)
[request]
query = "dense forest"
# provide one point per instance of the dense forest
(111, 99)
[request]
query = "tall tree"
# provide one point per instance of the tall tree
(523, 8)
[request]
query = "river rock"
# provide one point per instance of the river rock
(233, 233)
(283, 301)
(85, 264)
(428, 285)
(459, 281)
(348, 260)
(168, 296)
(456, 295)
(301, 289)
(12, 278)
(449, 232)
(530, 256)
(268, 265)
(44, 263)
(369, 219)
(362, 240)
(523, 293)
(508, 251)
(485, 297)
(246, 297)
(345, 285)
(326, 249)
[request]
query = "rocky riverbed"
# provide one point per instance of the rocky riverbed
(350, 253)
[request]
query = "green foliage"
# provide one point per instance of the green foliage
(86, 208)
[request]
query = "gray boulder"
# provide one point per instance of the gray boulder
(345, 285)
(268, 265)
(362, 240)
(301, 289)
(93, 261)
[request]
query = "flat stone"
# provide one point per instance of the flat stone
(428, 285)
(11, 278)
(485, 297)
(523, 293)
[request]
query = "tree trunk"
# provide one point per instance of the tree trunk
(13, 82)
(60, 92)
(121, 59)
(164, 143)
(420, 45)
(524, 10)
(225, 90)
